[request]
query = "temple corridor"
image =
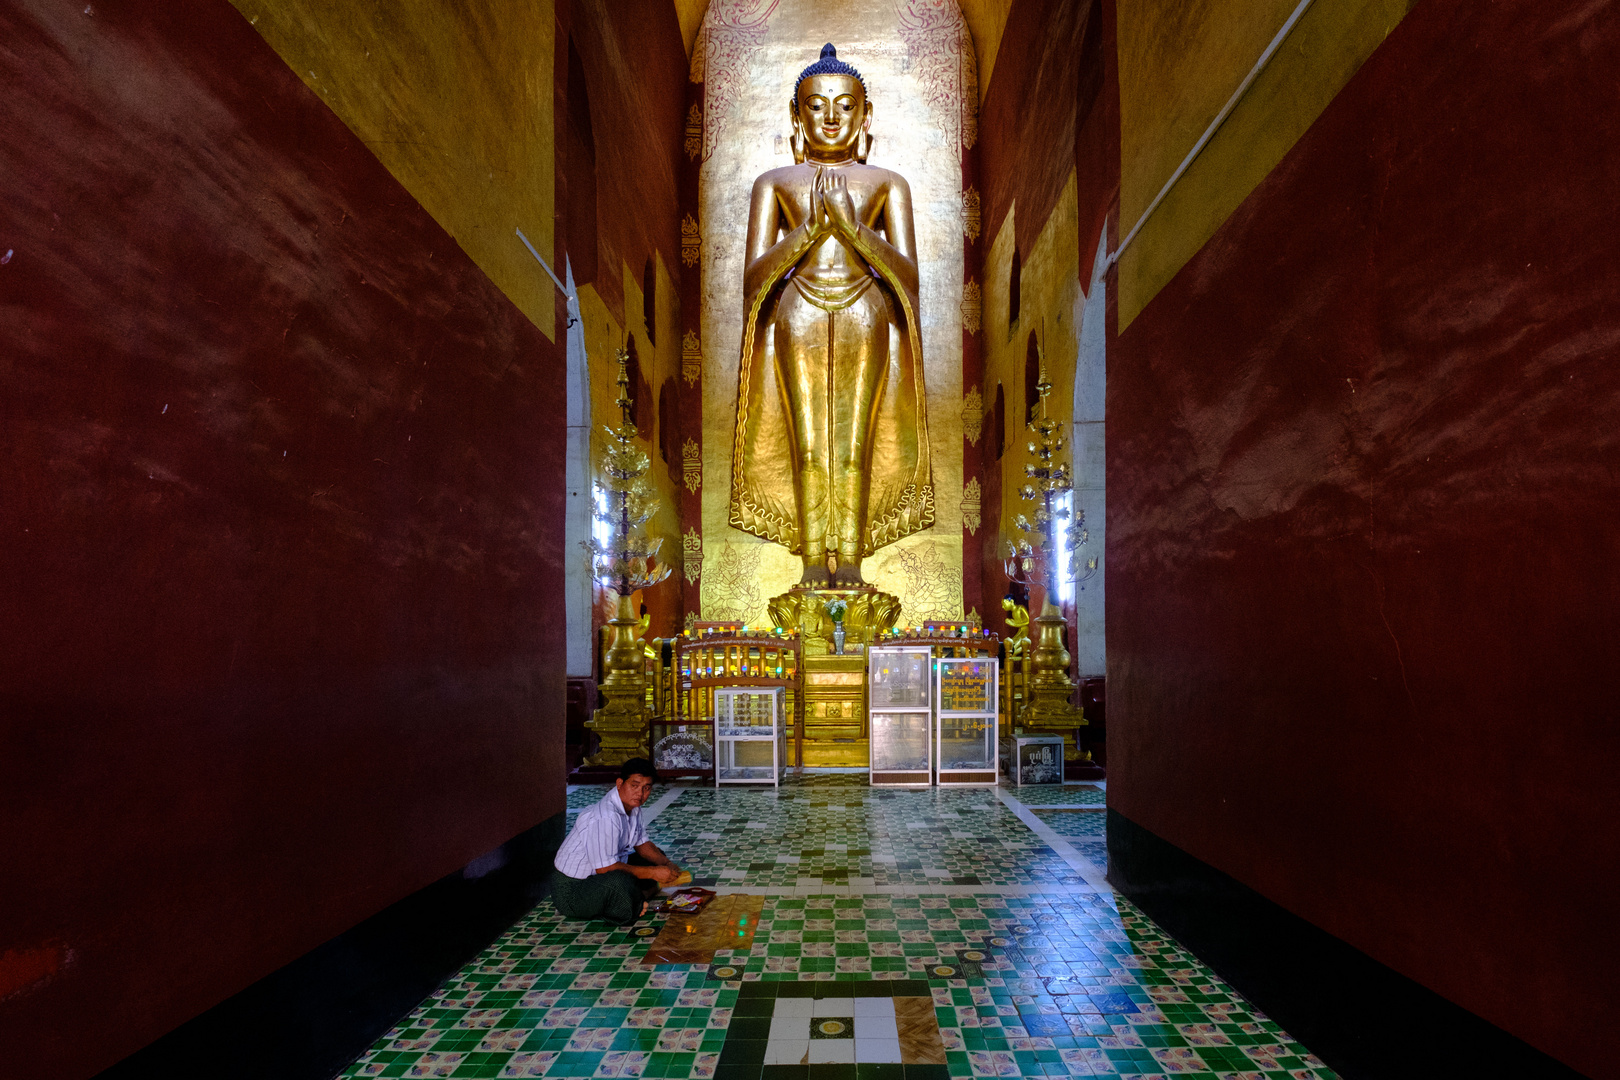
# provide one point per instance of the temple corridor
(988, 903)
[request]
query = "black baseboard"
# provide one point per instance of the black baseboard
(1365, 1020)
(308, 1020)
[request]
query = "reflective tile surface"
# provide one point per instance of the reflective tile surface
(904, 935)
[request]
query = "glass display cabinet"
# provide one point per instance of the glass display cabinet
(966, 698)
(1033, 759)
(899, 685)
(749, 735)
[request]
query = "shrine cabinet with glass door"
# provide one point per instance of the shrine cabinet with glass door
(965, 698)
(750, 736)
(899, 684)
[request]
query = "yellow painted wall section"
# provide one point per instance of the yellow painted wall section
(1179, 62)
(456, 102)
(1048, 303)
(986, 19)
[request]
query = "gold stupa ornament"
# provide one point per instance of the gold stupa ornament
(624, 559)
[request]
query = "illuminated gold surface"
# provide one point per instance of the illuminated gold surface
(830, 456)
(835, 711)
(455, 100)
(751, 50)
(1179, 62)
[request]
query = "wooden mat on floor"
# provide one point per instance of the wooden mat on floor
(726, 922)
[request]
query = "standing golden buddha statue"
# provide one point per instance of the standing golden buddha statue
(830, 456)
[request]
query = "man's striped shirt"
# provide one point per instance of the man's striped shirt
(603, 835)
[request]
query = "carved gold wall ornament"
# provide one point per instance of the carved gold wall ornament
(970, 506)
(972, 416)
(692, 551)
(692, 466)
(971, 214)
(694, 131)
(972, 306)
(691, 358)
(691, 241)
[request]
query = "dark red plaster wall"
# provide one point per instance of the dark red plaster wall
(1363, 557)
(280, 535)
(1027, 122)
(636, 72)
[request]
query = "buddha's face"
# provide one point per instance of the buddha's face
(831, 110)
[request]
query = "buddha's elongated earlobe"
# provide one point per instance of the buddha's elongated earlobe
(796, 139)
(863, 141)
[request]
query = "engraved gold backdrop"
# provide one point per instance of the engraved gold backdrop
(918, 63)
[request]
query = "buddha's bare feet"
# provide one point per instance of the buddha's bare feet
(849, 576)
(815, 577)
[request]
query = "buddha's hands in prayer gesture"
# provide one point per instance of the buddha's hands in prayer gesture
(835, 210)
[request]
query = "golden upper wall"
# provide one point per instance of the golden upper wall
(455, 100)
(1179, 62)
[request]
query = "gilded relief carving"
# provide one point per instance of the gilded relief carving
(691, 358)
(691, 241)
(972, 306)
(972, 416)
(694, 131)
(970, 506)
(692, 552)
(692, 465)
(971, 214)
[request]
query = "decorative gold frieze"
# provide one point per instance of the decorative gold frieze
(692, 550)
(972, 306)
(691, 358)
(694, 131)
(692, 465)
(691, 241)
(970, 506)
(970, 214)
(972, 416)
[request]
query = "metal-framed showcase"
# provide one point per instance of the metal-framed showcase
(966, 698)
(750, 741)
(900, 716)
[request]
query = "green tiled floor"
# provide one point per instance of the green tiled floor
(1066, 982)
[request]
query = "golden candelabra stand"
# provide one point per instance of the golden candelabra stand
(625, 561)
(1033, 559)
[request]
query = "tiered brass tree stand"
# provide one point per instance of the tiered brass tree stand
(621, 723)
(835, 686)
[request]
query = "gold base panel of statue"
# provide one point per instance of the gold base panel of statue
(621, 723)
(835, 685)
(1050, 709)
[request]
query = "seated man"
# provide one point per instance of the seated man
(607, 868)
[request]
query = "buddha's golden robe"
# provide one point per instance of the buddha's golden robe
(865, 317)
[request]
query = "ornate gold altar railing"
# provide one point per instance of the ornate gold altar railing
(692, 667)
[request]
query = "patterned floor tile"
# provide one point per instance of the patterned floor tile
(987, 982)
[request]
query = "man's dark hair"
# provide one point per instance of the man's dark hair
(638, 766)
